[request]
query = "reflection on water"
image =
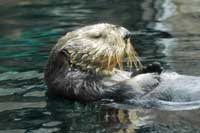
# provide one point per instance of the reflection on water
(181, 19)
(165, 31)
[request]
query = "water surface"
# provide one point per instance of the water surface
(167, 31)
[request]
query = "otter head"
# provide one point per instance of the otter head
(98, 48)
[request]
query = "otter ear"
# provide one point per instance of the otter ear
(64, 53)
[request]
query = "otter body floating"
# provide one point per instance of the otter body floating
(83, 66)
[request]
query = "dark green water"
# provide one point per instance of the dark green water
(167, 31)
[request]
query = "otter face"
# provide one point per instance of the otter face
(98, 47)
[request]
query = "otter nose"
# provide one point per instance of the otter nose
(125, 33)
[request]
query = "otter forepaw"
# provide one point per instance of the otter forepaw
(155, 67)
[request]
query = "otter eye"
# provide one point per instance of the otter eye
(95, 35)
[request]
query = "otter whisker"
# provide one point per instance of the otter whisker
(132, 56)
(109, 60)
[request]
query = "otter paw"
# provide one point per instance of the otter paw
(155, 67)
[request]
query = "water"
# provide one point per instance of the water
(166, 31)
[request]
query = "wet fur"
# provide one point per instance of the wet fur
(82, 66)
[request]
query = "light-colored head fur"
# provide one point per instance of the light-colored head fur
(99, 47)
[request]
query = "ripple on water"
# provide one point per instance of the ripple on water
(6, 106)
(21, 75)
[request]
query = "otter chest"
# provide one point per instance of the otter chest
(115, 78)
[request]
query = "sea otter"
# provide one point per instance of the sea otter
(87, 65)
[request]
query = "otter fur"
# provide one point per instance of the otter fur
(87, 65)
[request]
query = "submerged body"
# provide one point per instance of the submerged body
(83, 66)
